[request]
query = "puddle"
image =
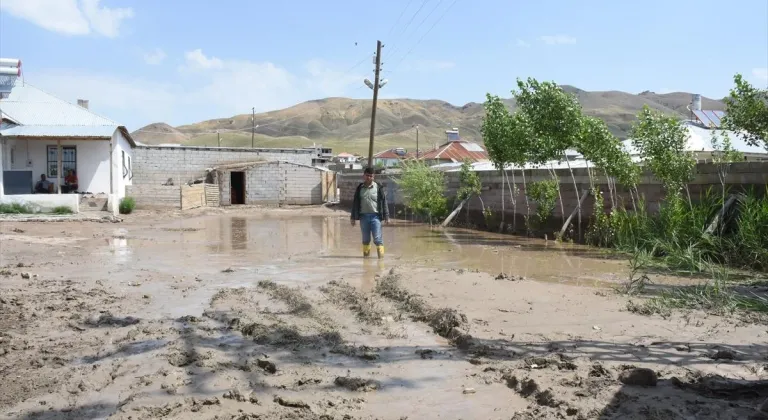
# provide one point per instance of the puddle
(316, 249)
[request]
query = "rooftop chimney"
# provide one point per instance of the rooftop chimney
(83, 103)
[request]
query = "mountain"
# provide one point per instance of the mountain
(344, 124)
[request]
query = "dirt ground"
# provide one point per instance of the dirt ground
(273, 314)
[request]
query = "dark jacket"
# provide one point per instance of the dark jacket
(382, 203)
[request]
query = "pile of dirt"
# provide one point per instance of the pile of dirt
(446, 322)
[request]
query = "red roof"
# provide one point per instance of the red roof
(389, 154)
(457, 151)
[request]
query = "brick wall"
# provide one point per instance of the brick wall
(741, 176)
(153, 165)
(273, 183)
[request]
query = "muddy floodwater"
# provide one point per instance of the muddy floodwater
(274, 314)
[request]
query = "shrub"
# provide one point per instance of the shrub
(423, 189)
(15, 208)
(127, 205)
(544, 194)
(62, 210)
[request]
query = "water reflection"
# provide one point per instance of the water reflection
(239, 233)
(325, 248)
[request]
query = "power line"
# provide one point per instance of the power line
(399, 17)
(394, 47)
(426, 33)
(425, 19)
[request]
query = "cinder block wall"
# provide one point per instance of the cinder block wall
(153, 165)
(741, 176)
(155, 196)
(276, 183)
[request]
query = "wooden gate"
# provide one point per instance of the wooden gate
(192, 196)
(329, 188)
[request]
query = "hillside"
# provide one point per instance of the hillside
(344, 124)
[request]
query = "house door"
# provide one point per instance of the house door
(237, 187)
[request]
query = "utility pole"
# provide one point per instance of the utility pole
(253, 125)
(417, 142)
(218, 137)
(375, 97)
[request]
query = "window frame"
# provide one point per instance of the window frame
(55, 162)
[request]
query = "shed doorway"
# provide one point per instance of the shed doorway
(237, 190)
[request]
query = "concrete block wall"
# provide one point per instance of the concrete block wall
(274, 183)
(264, 184)
(741, 176)
(155, 196)
(153, 165)
(303, 185)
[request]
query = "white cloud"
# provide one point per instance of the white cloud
(220, 88)
(155, 57)
(104, 20)
(761, 74)
(522, 44)
(558, 39)
(69, 17)
(196, 60)
(427, 66)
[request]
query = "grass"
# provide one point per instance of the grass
(677, 238)
(62, 210)
(127, 205)
(16, 208)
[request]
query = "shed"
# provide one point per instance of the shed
(275, 183)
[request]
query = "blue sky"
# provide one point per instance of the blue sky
(146, 61)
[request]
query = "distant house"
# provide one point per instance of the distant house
(41, 134)
(390, 158)
(345, 158)
(455, 150)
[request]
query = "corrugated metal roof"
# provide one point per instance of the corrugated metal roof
(104, 131)
(700, 140)
(457, 151)
(28, 105)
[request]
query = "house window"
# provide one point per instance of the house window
(68, 160)
(130, 171)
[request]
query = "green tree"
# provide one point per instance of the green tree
(544, 194)
(553, 120)
(469, 182)
(423, 189)
(662, 141)
(747, 112)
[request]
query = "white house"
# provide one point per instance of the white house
(44, 135)
(345, 158)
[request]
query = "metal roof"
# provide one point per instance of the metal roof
(104, 131)
(36, 113)
(457, 151)
(28, 105)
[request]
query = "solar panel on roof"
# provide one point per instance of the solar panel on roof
(703, 118)
(473, 147)
(712, 117)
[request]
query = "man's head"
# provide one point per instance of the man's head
(368, 175)
(42, 177)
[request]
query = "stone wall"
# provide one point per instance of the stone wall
(154, 165)
(741, 176)
(155, 196)
(276, 183)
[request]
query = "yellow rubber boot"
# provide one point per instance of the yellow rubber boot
(380, 251)
(366, 250)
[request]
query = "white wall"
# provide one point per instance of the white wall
(45, 202)
(121, 178)
(92, 160)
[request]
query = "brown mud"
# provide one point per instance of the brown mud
(273, 314)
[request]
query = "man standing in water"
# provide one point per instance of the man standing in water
(369, 206)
